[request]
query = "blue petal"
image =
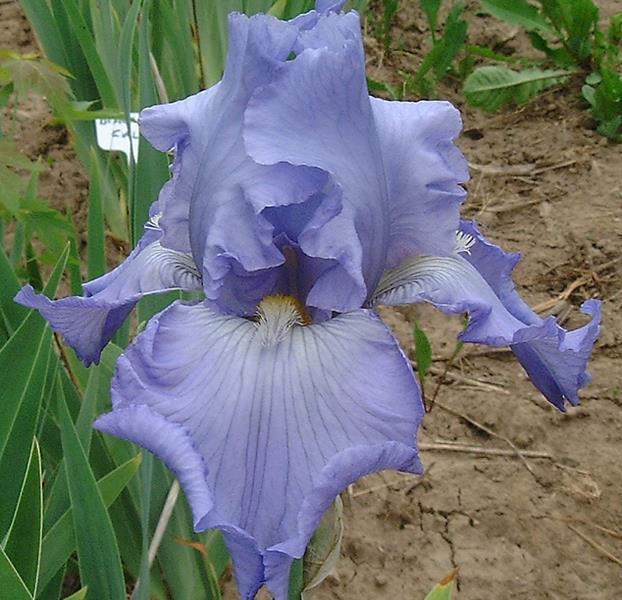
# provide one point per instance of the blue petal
(424, 169)
(89, 322)
(317, 113)
(167, 127)
(480, 283)
(219, 192)
(267, 429)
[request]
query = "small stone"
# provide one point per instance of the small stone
(380, 580)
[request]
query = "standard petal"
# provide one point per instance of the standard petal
(89, 322)
(424, 171)
(479, 282)
(274, 426)
(317, 113)
(167, 128)
(219, 192)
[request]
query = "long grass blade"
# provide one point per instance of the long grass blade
(11, 583)
(98, 553)
(23, 369)
(60, 541)
(23, 545)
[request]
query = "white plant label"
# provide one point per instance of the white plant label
(113, 134)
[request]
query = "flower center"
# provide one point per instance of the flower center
(276, 315)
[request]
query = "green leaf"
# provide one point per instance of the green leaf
(30, 73)
(323, 550)
(559, 55)
(278, 9)
(614, 31)
(49, 225)
(583, 18)
(454, 37)
(11, 313)
(23, 545)
(11, 583)
(54, 588)
(146, 475)
(423, 353)
(96, 248)
(443, 590)
(518, 12)
(383, 88)
(98, 553)
(187, 572)
(60, 540)
(491, 87)
(431, 8)
(152, 169)
(604, 95)
(79, 595)
(23, 367)
(296, 580)
(84, 36)
(210, 25)
(124, 57)
(496, 56)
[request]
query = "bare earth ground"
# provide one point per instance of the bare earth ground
(545, 184)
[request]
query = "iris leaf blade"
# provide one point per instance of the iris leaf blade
(79, 595)
(60, 542)
(42, 20)
(98, 553)
(85, 38)
(24, 362)
(11, 313)
(11, 583)
(23, 545)
(96, 248)
(152, 169)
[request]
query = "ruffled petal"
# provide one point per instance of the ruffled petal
(220, 192)
(478, 281)
(205, 130)
(167, 128)
(269, 428)
(424, 171)
(317, 113)
(556, 360)
(89, 322)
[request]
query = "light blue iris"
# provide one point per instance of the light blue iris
(297, 204)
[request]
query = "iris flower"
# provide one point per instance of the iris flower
(297, 204)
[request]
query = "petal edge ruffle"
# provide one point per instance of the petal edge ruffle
(281, 426)
(478, 282)
(89, 322)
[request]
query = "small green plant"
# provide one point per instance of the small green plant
(445, 48)
(603, 87)
(423, 356)
(443, 590)
(381, 18)
(568, 33)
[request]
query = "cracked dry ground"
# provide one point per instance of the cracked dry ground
(543, 183)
